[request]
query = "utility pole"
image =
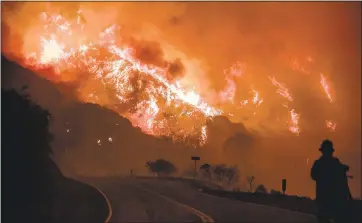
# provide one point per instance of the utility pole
(66, 141)
(284, 185)
(66, 138)
(195, 158)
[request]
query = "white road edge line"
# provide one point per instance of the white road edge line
(107, 200)
(204, 217)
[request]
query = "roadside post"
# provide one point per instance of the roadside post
(284, 185)
(195, 158)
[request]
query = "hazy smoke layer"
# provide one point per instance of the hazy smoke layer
(289, 72)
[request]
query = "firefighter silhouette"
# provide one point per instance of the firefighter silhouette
(332, 191)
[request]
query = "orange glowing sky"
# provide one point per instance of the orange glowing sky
(282, 69)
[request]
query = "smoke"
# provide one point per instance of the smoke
(150, 52)
(293, 42)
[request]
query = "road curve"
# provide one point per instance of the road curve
(222, 209)
(203, 217)
(134, 203)
(107, 201)
(153, 200)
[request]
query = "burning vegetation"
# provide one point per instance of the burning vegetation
(151, 83)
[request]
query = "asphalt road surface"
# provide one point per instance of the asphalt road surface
(154, 200)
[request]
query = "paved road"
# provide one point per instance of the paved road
(152, 200)
(131, 203)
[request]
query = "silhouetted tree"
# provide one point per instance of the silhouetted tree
(225, 174)
(261, 189)
(28, 171)
(250, 180)
(231, 175)
(206, 169)
(219, 171)
(161, 167)
(26, 121)
(26, 139)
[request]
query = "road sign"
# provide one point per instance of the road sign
(195, 158)
(284, 185)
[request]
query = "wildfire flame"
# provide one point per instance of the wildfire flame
(117, 70)
(282, 90)
(256, 99)
(203, 135)
(147, 93)
(294, 122)
(331, 125)
(326, 88)
(228, 94)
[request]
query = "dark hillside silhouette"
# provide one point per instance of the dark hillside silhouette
(89, 123)
(33, 187)
(26, 165)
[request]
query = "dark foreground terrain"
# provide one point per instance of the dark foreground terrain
(162, 200)
(33, 187)
(73, 201)
(294, 203)
(66, 200)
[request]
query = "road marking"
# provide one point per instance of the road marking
(204, 218)
(107, 200)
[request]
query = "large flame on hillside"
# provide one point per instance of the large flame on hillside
(145, 82)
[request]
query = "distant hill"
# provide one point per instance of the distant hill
(102, 142)
(99, 140)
